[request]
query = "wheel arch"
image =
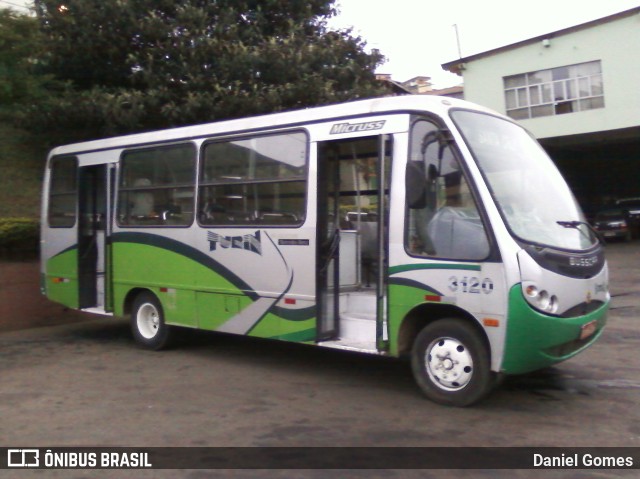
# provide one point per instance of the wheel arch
(427, 313)
(127, 304)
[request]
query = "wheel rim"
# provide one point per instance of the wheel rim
(148, 320)
(449, 364)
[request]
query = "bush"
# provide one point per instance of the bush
(19, 238)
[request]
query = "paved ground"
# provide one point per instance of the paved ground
(87, 384)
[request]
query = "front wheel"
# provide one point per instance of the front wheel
(450, 363)
(147, 322)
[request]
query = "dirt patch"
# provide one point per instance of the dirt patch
(22, 306)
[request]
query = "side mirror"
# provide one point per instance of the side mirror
(415, 185)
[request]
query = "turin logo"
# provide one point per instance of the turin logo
(246, 242)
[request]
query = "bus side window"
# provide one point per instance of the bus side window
(63, 193)
(443, 219)
(157, 186)
(254, 181)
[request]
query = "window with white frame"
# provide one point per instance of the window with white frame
(555, 91)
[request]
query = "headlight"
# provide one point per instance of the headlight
(553, 304)
(541, 299)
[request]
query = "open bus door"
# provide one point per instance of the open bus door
(351, 259)
(94, 230)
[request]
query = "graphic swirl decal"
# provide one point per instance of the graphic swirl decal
(270, 262)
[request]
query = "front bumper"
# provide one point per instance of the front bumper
(535, 340)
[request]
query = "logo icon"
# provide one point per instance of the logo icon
(23, 458)
(583, 262)
(340, 128)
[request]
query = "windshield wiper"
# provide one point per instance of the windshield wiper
(577, 224)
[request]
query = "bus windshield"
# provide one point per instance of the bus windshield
(531, 194)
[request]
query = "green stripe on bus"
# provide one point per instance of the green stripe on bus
(415, 267)
(186, 251)
(306, 335)
(302, 314)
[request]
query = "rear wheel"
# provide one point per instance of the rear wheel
(147, 322)
(450, 362)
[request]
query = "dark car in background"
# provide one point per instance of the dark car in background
(612, 224)
(631, 208)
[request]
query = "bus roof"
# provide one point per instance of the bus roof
(396, 104)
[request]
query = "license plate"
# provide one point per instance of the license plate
(588, 329)
(609, 234)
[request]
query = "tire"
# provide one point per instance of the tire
(147, 322)
(450, 363)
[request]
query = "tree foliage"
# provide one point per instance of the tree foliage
(20, 47)
(135, 65)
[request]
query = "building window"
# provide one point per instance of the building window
(556, 91)
(254, 181)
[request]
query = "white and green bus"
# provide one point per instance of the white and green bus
(415, 226)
